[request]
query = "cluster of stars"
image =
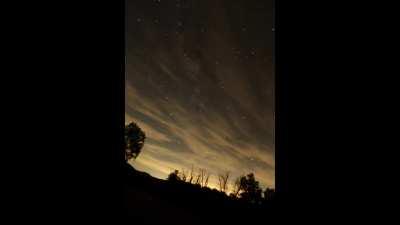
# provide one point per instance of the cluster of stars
(201, 78)
(240, 54)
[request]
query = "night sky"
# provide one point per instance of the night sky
(200, 83)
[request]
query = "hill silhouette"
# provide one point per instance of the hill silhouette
(149, 200)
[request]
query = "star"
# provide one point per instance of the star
(176, 91)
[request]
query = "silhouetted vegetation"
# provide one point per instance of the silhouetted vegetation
(186, 193)
(269, 194)
(245, 188)
(173, 177)
(250, 190)
(223, 182)
(134, 140)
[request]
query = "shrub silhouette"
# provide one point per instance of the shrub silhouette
(269, 194)
(173, 177)
(134, 140)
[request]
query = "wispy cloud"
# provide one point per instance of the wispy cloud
(199, 97)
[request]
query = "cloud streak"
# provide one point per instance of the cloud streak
(203, 98)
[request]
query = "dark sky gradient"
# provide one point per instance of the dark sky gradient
(200, 83)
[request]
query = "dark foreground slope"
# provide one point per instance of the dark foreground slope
(149, 200)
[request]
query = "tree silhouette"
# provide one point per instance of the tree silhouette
(223, 181)
(183, 175)
(251, 189)
(198, 179)
(191, 175)
(206, 179)
(237, 187)
(134, 140)
(203, 176)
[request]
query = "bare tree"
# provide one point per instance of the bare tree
(203, 174)
(223, 181)
(201, 177)
(191, 176)
(198, 179)
(204, 177)
(237, 186)
(206, 180)
(183, 175)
